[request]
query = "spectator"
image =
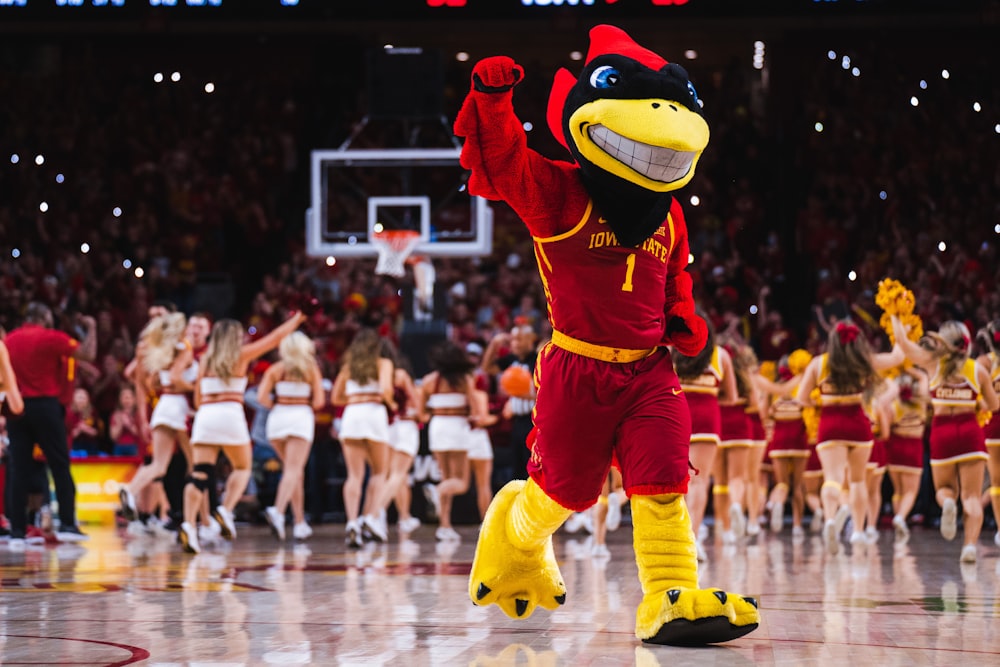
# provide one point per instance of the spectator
(124, 426)
(85, 429)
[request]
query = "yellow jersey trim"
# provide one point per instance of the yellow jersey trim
(599, 352)
(566, 235)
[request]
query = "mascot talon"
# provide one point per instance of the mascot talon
(515, 565)
(693, 617)
(612, 249)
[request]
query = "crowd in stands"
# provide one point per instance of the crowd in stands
(793, 226)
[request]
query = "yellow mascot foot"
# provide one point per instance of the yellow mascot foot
(515, 565)
(695, 617)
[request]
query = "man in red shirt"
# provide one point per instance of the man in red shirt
(37, 353)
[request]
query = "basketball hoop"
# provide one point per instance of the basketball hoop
(394, 246)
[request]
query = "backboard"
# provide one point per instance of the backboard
(356, 192)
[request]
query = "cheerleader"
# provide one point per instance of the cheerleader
(844, 439)
(220, 423)
(958, 386)
(989, 336)
(404, 443)
(481, 450)
(291, 426)
(906, 402)
(881, 420)
(447, 399)
(732, 460)
(364, 386)
(165, 368)
(788, 447)
(706, 380)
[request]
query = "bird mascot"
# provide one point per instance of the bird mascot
(611, 246)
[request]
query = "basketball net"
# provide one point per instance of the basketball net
(394, 246)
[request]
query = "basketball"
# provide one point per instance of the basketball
(516, 381)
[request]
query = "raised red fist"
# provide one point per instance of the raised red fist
(496, 74)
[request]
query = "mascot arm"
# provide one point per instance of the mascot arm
(544, 193)
(685, 329)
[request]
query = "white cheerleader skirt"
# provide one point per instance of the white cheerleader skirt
(291, 421)
(480, 447)
(447, 433)
(404, 436)
(223, 423)
(365, 421)
(171, 411)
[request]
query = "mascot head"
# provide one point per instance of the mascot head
(633, 123)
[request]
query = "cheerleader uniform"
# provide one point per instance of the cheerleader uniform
(842, 418)
(480, 446)
(292, 414)
(758, 438)
(735, 425)
(788, 439)
(702, 393)
(905, 447)
(879, 458)
(449, 428)
(365, 415)
(172, 408)
(220, 420)
(956, 438)
(404, 433)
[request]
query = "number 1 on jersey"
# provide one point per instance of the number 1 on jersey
(629, 270)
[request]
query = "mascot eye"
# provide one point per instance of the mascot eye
(605, 77)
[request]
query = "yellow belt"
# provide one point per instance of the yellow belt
(600, 352)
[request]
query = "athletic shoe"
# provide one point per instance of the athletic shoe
(831, 537)
(777, 517)
(276, 520)
(949, 519)
(34, 535)
(996, 539)
(136, 529)
(409, 525)
(902, 530)
(373, 530)
(16, 544)
(574, 523)
(840, 519)
(127, 500)
(798, 533)
(700, 548)
(600, 551)
(447, 534)
(189, 538)
(209, 534)
(728, 537)
(737, 520)
(431, 495)
(353, 536)
(968, 553)
(71, 534)
(871, 533)
(302, 531)
(614, 519)
(753, 528)
(858, 537)
(225, 519)
(816, 524)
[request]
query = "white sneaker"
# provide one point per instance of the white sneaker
(753, 528)
(71, 534)
(16, 544)
(189, 538)
(127, 500)
(996, 539)
(431, 494)
(777, 517)
(574, 523)
(136, 529)
(447, 534)
(949, 519)
(352, 535)
(700, 549)
(737, 520)
(798, 533)
(816, 525)
(614, 512)
(728, 537)
(900, 527)
(302, 531)
(840, 519)
(702, 532)
(858, 537)
(600, 551)
(871, 533)
(207, 535)
(373, 528)
(225, 519)
(276, 520)
(409, 525)
(831, 537)
(968, 553)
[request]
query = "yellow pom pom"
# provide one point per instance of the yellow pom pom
(768, 369)
(798, 360)
(894, 299)
(983, 417)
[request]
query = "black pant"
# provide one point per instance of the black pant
(520, 427)
(43, 423)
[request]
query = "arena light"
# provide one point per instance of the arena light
(695, 200)
(831, 54)
(139, 273)
(855, 71)
(945, 74)
(60, 178)
(15, 158)
(883, 195)
(575, 55)
(43, 207)
(845, 62)
(209, 87)
(528, 126)
(116, 211)
(818, 126)
(852, 275)
(691, 54)
(462, 56)
(15, 252)
(158, 77)
(127, 264)
(996, 128)
(977, 107)
(175, 77)
(690, 258)
(923, 84)
(84, 248)
(378, 228)
(914, 101)
(39, 160)
(331, 260)
(996, 228)
(753, 309)
(942, 246)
